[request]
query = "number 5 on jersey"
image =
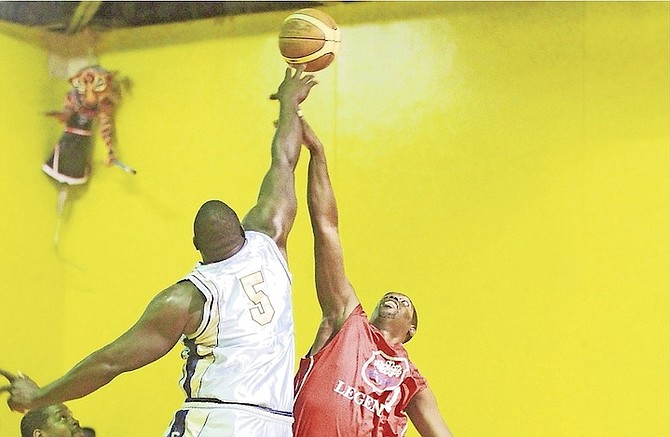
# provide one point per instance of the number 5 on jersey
(262, 311)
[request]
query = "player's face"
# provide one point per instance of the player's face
(395, 306)
(61, 423)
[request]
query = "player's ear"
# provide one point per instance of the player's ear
(410, 333)
(37, 433)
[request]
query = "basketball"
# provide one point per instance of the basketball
(310, 37)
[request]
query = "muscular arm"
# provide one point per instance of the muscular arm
(425, 415)
(275, 210)
(336, 296)
(175, 311)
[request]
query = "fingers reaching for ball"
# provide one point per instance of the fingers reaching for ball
(22, 391)
(295, 87)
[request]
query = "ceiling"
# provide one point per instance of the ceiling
(71, 17)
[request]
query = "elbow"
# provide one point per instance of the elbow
(323, 222)
(325, 229)
(109, 367)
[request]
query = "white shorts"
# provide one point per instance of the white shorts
(205, 419)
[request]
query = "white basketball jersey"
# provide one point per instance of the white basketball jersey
(243, 350)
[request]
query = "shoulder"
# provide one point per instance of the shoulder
(183, 287)
(260, 238)
(182, 303)
(257, 240)
(346, 331)
(356, 319)
(418, 380)
(357, 323)
(359, 313)
(255, 235)
(181, 295)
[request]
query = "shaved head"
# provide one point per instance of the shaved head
(216, 230)
(51, 420)
(35, 419)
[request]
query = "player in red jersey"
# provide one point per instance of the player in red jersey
(356, 379)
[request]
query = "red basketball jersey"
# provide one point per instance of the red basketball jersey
(357, 385)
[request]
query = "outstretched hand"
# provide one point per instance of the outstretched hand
(294, 88)
(21, 389)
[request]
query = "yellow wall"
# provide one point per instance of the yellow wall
(506, 164)
(32, 303)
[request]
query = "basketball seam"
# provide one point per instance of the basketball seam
(319, 25)
(304, 37)
(328, 47)
(331, 39)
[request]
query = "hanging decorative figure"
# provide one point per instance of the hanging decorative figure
(94, 95)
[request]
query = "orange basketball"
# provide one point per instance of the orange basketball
(310, 37)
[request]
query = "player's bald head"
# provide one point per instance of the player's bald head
(215, 225)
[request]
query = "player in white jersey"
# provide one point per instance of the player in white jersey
(240, 360)
(233, 311)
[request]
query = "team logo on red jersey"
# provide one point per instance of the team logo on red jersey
(383, 373)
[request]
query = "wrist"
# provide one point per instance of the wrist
(290, 108)
(289, 104)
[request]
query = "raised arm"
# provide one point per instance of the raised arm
(425, 415)
(334, 292)
(275, 210)
(175, 311)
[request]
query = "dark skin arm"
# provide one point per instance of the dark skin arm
(175, 311)
(275, 210)
(425, 415)
(335, 293)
